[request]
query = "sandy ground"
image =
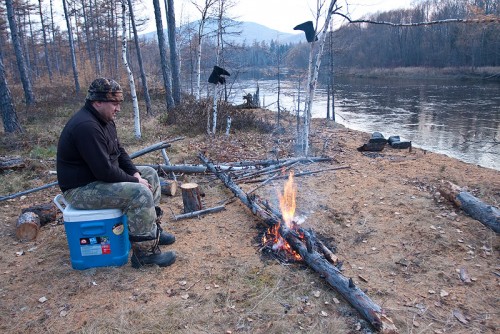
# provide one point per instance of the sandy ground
(403, 245)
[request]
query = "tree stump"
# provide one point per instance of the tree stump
(191, 197)
(27, 226)
(168, 187)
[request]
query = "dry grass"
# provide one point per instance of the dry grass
(376, 213)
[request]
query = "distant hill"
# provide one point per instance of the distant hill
(249, 32)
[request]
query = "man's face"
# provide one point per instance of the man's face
(107, 110)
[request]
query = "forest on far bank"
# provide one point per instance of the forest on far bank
(93, 45)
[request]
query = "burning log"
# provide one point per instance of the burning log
(191, 197)
(477, 209)
(354, 295)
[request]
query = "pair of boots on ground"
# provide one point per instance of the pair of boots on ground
(154, 255)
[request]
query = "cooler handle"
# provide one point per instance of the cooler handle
(59, 201)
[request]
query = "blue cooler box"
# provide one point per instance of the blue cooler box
(96, 238)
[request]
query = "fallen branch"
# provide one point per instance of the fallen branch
(199, 212)
(473, 206)
(148, 149)
(285, 163)
(189, 169)
(154, 147)
(29, 191)
(354, 295)
(298, 174)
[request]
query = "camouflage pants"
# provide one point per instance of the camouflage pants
(134, 199)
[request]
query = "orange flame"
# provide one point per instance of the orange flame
(287, 207)
(287, 200)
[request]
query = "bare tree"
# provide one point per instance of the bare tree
(94, 23)
(45, 44)
(174, 58)
(312, 78)
(21, 63)
(167, 81)
(137, 119)
(9, 115)
(72, 48)
(53, 49)
(204, 12)
(144, 81)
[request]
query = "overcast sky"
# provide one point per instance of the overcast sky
(281, 15)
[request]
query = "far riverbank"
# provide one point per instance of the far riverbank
(446, 73)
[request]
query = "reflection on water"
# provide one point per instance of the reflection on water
(459, 119)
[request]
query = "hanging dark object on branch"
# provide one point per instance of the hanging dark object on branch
(308, 28)
(217, 75)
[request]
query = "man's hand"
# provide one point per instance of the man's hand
(143, 181)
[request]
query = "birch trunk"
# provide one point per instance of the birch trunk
(313, 77)
(144, 81)
(137, 120)
(214, 118)
(198, 65)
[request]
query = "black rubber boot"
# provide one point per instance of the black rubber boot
(165, 238)
(141, 258)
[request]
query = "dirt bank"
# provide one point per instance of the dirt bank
(381, 215)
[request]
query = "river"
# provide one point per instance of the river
(458, 118)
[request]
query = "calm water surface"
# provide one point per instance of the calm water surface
(459, 119)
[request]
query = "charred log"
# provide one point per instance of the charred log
(46, 212)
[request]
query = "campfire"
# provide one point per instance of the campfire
(272, 238)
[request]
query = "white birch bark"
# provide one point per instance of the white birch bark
(198, 61)
(313, 77)
(137, 119)
(214, 117)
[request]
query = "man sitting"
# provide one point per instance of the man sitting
(95, 172)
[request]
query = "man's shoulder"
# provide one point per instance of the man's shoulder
(83, 118)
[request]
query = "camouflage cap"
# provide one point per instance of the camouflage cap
(106, 90)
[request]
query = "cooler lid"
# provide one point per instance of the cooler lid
(71, 214)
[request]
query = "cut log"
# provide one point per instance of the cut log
(191, 197)
(473, 206)
(46, 212)
(168, 187)
(27, 227)
(354, 295)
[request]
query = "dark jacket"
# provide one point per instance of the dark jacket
(89, 151)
